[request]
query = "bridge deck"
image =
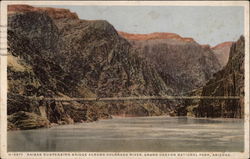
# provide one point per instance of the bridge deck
(140, 98)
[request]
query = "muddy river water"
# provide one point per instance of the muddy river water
(135, 134)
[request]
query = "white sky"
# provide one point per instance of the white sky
(207, 25)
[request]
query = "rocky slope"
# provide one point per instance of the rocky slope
(55, 54)
(181, 62)
(222, 52)
(227, 82)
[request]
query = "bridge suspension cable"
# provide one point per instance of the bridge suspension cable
(138, 98)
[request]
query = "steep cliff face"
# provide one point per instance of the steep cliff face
(222, 52)
(181, 62)
(227, 82)
(63, 56)
(106, 63)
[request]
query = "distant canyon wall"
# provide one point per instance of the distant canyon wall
(222, 52)
(181, 62)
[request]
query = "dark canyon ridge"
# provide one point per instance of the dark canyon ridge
(56, 54)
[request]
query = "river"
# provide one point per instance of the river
(135, 134)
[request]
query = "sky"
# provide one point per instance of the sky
(207, 25)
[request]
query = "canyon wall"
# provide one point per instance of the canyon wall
(181, 62)
(227, 82)
(53, 53)
(63, 56)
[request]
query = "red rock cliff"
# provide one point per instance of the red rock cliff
(222, 52)
(55, 13)
(156, 35)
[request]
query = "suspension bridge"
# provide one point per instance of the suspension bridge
(137, 98)
(141, 98)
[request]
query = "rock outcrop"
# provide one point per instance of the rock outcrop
(55, 54)
(227, 82)
(182, 63)
(222, 52)
(26, 120)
